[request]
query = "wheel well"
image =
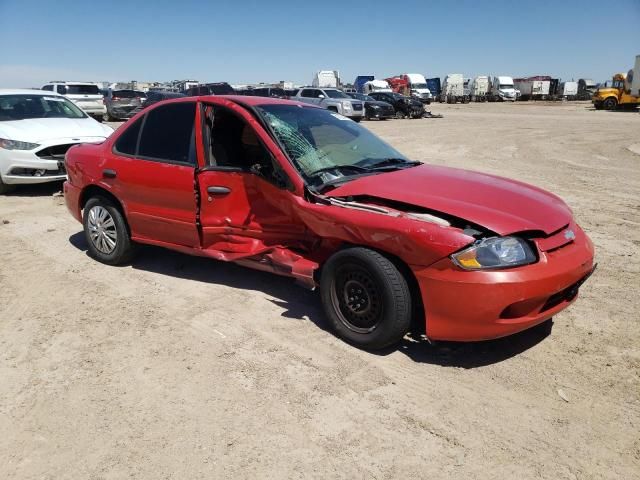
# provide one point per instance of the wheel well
(96, 191)
(418, 325)
(333, 109)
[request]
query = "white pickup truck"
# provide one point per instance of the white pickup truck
(332, 99)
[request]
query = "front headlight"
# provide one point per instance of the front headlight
(495, 252)
(16, 144)
(346, 106)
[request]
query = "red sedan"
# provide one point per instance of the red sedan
(393, 244)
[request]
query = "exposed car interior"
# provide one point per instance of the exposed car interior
(231, 142)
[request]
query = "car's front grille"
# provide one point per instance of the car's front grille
(54, 152)
(357, 107)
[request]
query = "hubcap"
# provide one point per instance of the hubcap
(102, 229)
(356, 299)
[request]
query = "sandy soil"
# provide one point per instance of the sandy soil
(178, 367)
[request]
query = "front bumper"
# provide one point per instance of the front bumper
(381, 112)
(40, 165)
(481, 305)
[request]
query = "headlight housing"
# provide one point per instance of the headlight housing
(346, 106)
(16, 144)
(495, 252)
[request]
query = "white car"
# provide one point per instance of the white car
(84, 94)
(36, 130)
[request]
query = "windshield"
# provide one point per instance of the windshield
(505, 86)
(336, 94)
(82, 90)
(419, 85)
(23, 107)
(317, 139)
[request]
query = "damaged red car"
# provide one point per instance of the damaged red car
(393, 244)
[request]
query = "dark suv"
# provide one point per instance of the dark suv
(121, 103)
(155, 97)
(218, 88)
(404, 106)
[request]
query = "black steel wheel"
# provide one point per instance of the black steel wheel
(366, 298)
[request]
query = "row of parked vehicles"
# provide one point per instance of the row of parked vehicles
(118, 105)
(455, 88)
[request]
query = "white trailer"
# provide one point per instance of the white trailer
(568, 90)
(535, 88)
(633, 77)
(479, 88)
(376, 86)
(453, 89)
(326, 79)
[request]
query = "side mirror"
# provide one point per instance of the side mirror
(320, 96)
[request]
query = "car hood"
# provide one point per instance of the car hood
(501, 205)
(40, 130)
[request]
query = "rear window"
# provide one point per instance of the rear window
(82, 90)
(128, 94)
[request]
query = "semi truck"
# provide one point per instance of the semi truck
(453, 89)
(479, 88)
(586, 89)
(360, 81)
(326, 79)
(375, 86)
(567, 90)
(418, 87)
(502, 90)
(634, 78)
(434, 86)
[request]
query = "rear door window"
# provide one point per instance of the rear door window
(168, 134)
(128, 141)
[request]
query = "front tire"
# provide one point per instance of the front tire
(106, 232)
(610, 103)
(366, 298)
(357, 119)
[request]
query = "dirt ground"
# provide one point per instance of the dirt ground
(178, 367)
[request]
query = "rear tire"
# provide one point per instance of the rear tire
(366, 298)
(106, 232)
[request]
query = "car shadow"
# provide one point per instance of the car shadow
(36, 190)
(302, 304)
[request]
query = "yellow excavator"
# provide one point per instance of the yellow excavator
(623, 92)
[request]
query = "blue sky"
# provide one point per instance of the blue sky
(251, 41)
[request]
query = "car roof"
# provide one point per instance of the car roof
(244, 99)
(254, 101)
(71, 83)
(27, 91)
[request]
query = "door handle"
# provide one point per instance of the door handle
(218, 190)
(108, 173)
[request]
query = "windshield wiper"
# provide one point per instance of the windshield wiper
(393, 163)
(340, 168)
